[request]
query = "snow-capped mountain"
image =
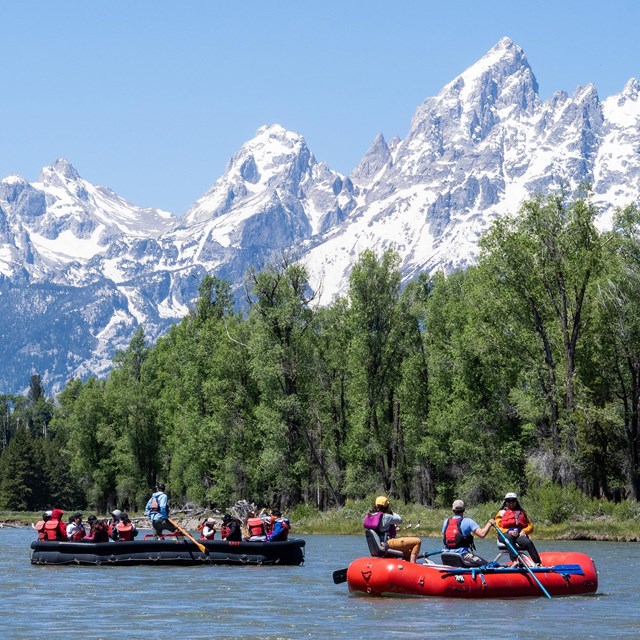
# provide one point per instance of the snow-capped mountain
(81, 269)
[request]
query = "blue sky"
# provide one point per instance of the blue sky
(152, 98)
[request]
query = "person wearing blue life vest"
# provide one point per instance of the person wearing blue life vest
(281, 527)
(458, 532)
(157, 510)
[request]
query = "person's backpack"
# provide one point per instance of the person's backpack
(372, 520)
(154, 506)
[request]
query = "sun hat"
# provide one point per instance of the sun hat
(511, 496)
(382, 501)
(210, 521)
(458, 505)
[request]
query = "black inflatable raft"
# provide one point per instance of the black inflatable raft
(174, 552)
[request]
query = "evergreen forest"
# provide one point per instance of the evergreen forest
(520, 372)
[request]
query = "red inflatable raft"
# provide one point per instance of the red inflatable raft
(564, 574)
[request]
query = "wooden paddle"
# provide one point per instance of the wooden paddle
(526, 566)
(188, 535)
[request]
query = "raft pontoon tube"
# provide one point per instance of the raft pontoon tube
(563, 574)
(169, 551)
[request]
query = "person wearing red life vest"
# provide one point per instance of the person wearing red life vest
(514, 522)
(112, 524)
(98, 530)
(230, 529)
(208, 529)
(409, 545)
(458, 532)
(56, 529)
(75, 528)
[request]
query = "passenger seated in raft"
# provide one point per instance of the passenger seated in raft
(98, 530)
(125, 529)
(281, 527)
(208, 529)
(230, 529)
(386, 530)
(458, 532)
(514, 522)
(39, 526)
(55, 528)
(112, 523)
(256, 528)
(75, 528)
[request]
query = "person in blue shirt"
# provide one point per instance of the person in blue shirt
(157, 510)
(458, 532)
(281, 527)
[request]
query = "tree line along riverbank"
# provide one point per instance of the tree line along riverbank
(594, 520)
(521, 373)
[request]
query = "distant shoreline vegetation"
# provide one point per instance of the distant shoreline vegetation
(520, 374)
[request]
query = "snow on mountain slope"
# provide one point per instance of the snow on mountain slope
(474, 152)
(69, 220)
(81, 269)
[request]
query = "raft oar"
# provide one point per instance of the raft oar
(564, 569)
(339, 576)
(526, 566)
(188, 535)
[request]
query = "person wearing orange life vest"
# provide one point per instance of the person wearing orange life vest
(75, 528)
(256, 528)
(409, 545)
(56, 529)
(458, 532)
(515, 524)
(39, 526)
(125, 529)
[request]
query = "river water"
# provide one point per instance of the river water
(295, 602)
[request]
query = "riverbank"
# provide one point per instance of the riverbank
(418, 520)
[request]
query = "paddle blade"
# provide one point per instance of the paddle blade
(340, 576)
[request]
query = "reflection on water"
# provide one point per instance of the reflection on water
(294, 602)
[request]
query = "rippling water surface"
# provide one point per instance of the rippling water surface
(294, 602)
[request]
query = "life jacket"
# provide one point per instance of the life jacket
(226, 531)
(513, 519)
(78, 534)
(453, 538)
(125, 530)
(100, 531)
(52, 530)
(256, 527)
(210, 537)
(282, 532)
(374, 521)
(39, 527)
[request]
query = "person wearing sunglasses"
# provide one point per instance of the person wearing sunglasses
(516, 525)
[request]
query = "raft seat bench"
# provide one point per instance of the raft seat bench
(502, 550)
(451, 559)
(377, 549)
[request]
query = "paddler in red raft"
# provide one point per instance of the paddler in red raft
(386, 530)
(514, 522)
